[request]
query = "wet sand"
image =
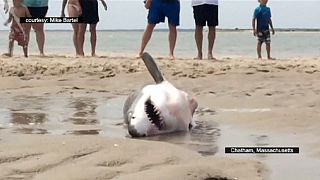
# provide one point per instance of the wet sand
(61, 119)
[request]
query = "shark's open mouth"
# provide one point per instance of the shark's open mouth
(154, 114)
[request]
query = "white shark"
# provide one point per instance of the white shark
(158, 108)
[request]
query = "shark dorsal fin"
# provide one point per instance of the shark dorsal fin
(152, 68)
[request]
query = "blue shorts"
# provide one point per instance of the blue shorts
(164, 8)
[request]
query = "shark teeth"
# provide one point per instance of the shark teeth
(154, 114)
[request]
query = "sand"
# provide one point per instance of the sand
(270, 102)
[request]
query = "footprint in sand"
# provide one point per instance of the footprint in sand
(203, 111)
(113, 163)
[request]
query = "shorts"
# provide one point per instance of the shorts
(160, 9)
(17, 35)
(264, 36)
(38, 12)
(206, 14)
(90, 13)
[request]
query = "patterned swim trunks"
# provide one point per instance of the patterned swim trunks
(264, 36)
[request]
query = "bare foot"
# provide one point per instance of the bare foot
(42, 55)
(171, 57)
(94, 55)
(198, 58)
(7, 54)
(138, 56)
(271, 58)
(259, 58)
(212, 58)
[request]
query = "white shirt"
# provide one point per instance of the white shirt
(201, 2)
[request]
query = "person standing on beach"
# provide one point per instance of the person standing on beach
(260, 24)
(38, 9)
(205, 12)
(90, 15)
(158, 10)
(17, 30)
(74, 10)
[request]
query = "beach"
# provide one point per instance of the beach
(60, 118)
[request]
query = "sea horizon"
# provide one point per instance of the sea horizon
(190, 29)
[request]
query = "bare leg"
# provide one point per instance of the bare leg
(81, 33)
(10, 49)
(198, 36)
(145, 38)
(40, 36)
(11, 43)
(25, 51)
(268, 47)
(211, 39)
(75, 27)
(27, 31)
(259, 50)
(73, 11)
(172, 40)
(93, 38)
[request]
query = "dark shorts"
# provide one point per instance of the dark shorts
(90, 13)
(264, 36)
(206, 14)
(164, 8)
(38, 12)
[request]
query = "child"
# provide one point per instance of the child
(17, 31)
(262, 15)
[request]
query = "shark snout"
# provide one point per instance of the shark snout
(133, 131)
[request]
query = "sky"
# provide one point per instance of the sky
(131, 14)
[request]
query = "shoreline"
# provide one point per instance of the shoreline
(240, 45)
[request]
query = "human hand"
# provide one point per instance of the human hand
(6, 7)
(254, 33)
(62, 14)
(273, 32)
(6, 23)
(106, 7)
(147, 4)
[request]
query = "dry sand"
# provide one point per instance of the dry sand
(277, 101)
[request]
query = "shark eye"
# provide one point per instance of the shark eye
(130, 115)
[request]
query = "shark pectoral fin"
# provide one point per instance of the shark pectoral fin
(152, 68)
(192, 124)
(193, 104)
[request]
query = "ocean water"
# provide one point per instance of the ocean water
(285, 45)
